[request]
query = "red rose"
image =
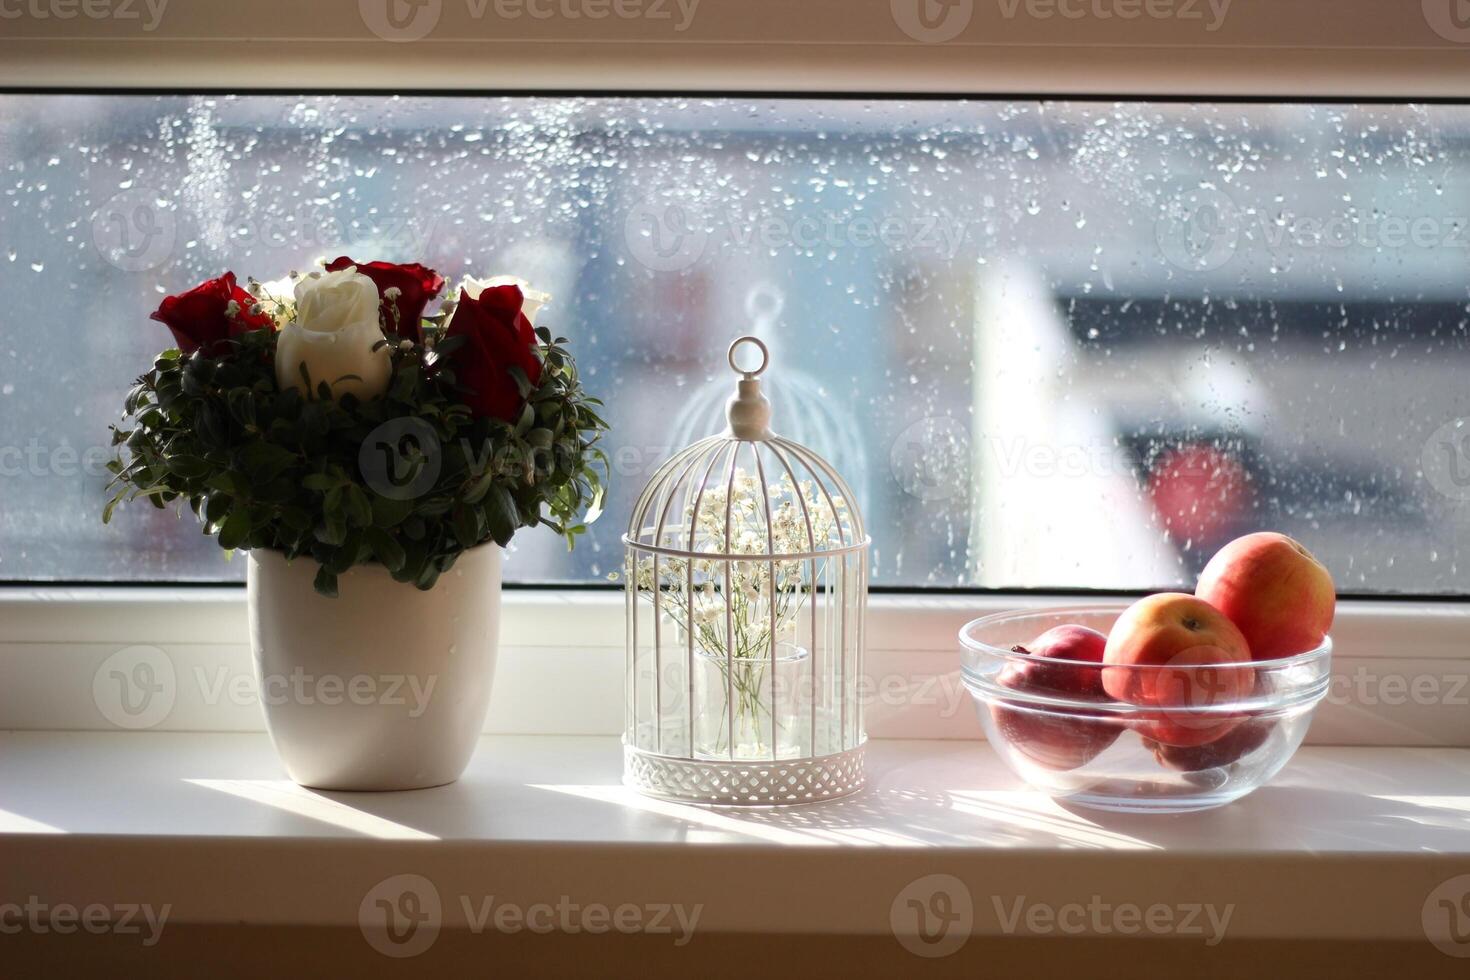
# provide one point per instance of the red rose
(201, 317)
(416, 286)
(499, 338)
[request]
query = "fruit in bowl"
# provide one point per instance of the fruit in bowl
(1064, 661)
(1275, 590)
(1177, 652)
(1231, 747)
(1203, 702)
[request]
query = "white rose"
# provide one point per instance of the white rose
(334, 333)
(532, 299)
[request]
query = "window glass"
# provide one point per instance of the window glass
(1050, 344)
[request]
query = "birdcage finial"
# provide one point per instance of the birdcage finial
(748, 411)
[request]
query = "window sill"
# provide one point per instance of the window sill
(208, 824)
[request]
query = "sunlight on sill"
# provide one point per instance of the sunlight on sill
(14, 823)
(1461, 803)
(1033, 813)
(718, 821)
(876, 820)
(291, 798)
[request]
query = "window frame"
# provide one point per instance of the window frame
(1258, 48)
(324, 49)
(561, 665)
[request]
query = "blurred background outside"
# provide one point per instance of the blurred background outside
(1049, 344)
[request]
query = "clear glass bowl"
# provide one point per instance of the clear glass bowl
(1226, 730)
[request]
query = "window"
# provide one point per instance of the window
(1051, 344)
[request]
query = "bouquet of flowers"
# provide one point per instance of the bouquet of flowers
(330, 416)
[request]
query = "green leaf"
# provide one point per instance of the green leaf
(333, 529)
(188, 467)
(235, 529)
(385, 549)
(210, 427)
(241, 404)
(325, 583)
(359, 511)
(415, 556)
(223, 481)
(466, 526)
(388, 512)
(480, 487)
(264, 462)
(319, 481)
(217, 507)
(523, 383)
(594, 508)
(501, 515)
(345, 557)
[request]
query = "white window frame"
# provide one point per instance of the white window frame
(1260, 48)
(562, 650)
(1401, 668)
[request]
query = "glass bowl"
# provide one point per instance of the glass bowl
(1225, 730)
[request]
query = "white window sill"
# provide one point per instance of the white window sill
(1346, 844)
(1342, 849)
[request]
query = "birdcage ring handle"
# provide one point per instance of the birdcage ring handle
(765, 356)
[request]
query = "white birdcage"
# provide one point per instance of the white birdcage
(746, 573)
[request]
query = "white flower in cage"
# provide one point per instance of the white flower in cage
(708, 613)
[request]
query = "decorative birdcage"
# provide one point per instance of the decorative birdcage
(746, 574)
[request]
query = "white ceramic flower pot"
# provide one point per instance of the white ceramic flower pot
(384, 687)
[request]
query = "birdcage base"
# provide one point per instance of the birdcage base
(783, 783)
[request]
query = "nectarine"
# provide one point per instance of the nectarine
(1060, 662)
(1177, 652)
(1274, 590)
(1233, 746)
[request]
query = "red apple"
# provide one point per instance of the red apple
(1163, 652)
(1234, 745)
(1058, 662)
(1271, 587)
